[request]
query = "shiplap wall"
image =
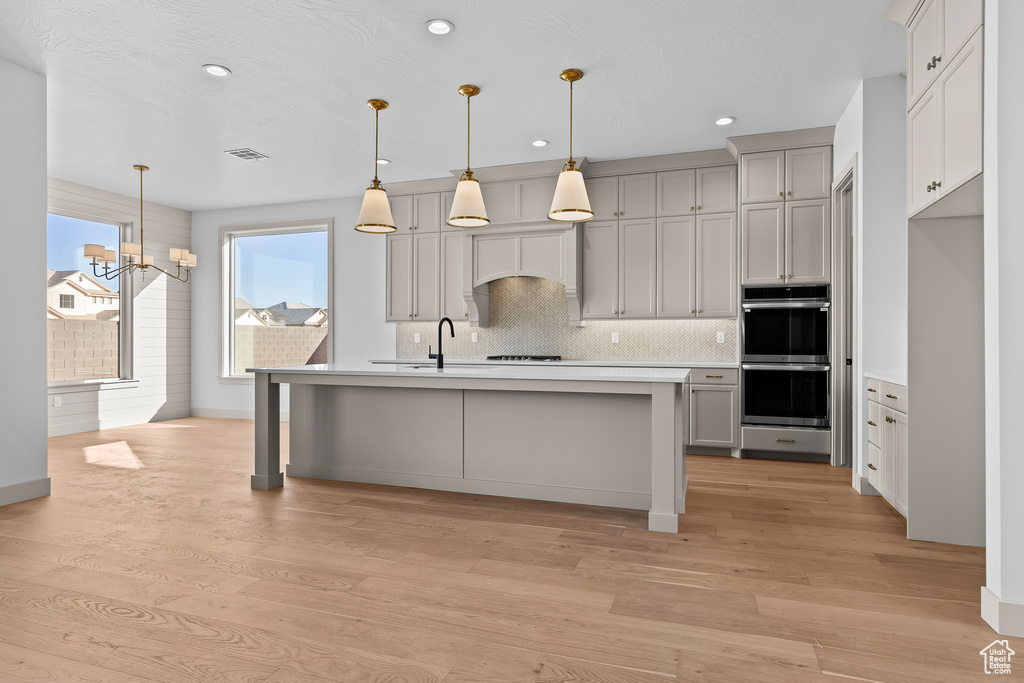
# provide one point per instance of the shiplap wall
(161, 321)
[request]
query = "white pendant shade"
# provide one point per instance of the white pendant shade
(571, 203)
(468, 209)
(131, 249)
(94, 251)
(375, 214)
(109, 256)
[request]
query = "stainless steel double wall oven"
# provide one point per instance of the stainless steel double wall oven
(785, 358)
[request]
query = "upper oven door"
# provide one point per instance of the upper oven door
(790, 332)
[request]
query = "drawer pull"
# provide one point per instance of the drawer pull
(712, 377)
(889, 419)
(871, 422)
(872, 467)
(785, 440)
(873, 391)
(892, 397)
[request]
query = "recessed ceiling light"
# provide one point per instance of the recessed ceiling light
(217, 70)
(539, 143)
(725, 120)
(440, 27)
(383, 162)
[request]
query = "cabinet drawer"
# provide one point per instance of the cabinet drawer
(893, 396)
(875, 467)
(788, 439)
(715, 376)
(874, 419)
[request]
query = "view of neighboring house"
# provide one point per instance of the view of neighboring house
(74, 294)
(286, 313)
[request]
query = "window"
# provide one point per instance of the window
(83, 342)
(276, 295)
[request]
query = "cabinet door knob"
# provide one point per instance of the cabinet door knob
(698, 208)
(789, 275)
(872, 467)
(691, 208)
(782, 194)
(782, 277)
(937, 184)
(693, 391)
(692, 311)
(872, 423)
(700, 310)
(789, 192)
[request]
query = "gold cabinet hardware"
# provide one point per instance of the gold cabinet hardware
(928, 188)
(892, 397)
(889, 419)
(699, 207)
(691, 208)
(872, 467)
(789, 192)
(873, 391)
(933, 64)
(712, 377)
(872, 423)
(785, 440)
(693, 391)
(936, 184)
(692, 311)
(782, 277)
(700, 310)
(782, 194)
(789, 275)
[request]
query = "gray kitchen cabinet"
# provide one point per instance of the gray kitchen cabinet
(809, 173)
(638, 252)
(716, 277)
(453, 304)
(426, 294)
(677, 192)
(417, 213)
(945, 129)
(716, 189)
(604, 198)
(808, 242)
(677, 267)
(714, 416)
(788, 243)
(600, 270)
(763, 244)
(763, 177)
(413, 278)
(518, 201)
(399, 278)
(936, 33)
(638, 196)
(888, 443)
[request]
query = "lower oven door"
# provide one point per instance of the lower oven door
(785, 395)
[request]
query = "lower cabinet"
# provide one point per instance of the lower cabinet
(888, 443)
(714, 415)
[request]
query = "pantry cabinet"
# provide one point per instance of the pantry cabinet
(789, 242)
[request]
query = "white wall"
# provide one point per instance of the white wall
(23, 226)
(161, 322)
(873, 127)
(358, 329)
(1002, 604)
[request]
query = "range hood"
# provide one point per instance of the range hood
(544, 249)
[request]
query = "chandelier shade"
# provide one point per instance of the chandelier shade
(571, 204)
(468, 210)
(375, 213)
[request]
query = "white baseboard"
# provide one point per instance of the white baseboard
(1006, 618)
(26, 490)
(861, 486)
(231, 414)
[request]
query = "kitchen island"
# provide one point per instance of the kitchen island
(594, 435)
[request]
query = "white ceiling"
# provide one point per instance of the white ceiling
(125, 84)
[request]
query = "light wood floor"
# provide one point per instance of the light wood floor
(154, 561)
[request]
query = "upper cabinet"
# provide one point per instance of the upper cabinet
(936, 33)
(716, 189)
(792, 174)
(944, 129)
(638, 196)
(787, 243)
(417, 213)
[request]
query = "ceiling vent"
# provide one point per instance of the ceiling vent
(246, 154)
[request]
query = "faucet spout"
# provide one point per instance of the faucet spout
(440, 328)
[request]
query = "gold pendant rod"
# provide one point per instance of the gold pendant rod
(468, 100)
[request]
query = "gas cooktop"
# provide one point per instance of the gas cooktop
(546, 359)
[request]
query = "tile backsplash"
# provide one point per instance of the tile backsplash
(530, 316)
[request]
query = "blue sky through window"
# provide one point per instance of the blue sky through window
(270, 269)
(66, 239)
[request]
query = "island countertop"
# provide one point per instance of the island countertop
(534, 371)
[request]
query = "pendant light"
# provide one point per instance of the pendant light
(468, 209)
(375, 213)
(571, 203)
(135, 254)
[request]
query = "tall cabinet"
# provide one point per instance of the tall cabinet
(786, 216)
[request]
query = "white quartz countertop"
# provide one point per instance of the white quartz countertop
(560, 363)
(518, 371)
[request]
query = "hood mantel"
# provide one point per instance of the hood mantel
(549, 250)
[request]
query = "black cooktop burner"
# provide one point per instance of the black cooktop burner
(534, 358)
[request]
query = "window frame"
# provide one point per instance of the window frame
(227, 233)
(126, 307)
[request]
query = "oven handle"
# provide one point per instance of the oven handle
(783, 366)
(785, 304)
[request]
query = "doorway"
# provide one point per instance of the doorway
(845, 387)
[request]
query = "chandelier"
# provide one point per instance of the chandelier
(134, 254)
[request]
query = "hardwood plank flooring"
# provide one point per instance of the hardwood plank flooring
(153, 560)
